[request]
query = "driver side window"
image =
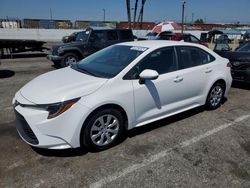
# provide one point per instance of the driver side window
(161, 60)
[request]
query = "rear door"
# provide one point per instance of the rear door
(97, 41)
(195, 69)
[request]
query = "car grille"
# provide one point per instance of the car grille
(24, 129)
(54, 50)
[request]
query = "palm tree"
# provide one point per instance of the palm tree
(135, 11)
(140, 17)
(128, 13)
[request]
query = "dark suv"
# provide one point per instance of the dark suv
(87, 42)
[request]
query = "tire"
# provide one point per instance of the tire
(69, 59)
(215, 96)
(101, 131)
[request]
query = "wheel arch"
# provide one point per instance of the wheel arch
(74, 51)
(218, 80)
(103, 107)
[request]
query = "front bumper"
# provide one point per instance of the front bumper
(54, 58)
(61, 132)
(241, 75)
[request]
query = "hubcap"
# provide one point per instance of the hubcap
(215, 96)
(104, 130)
(70, 60)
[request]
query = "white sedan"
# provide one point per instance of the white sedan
(121, 87)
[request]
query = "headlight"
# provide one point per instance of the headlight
(54, 109)
(58, 108)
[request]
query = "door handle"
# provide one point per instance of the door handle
(208, 70)
(178, 79)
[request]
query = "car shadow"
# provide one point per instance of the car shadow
(61, 153)
(241, 85)
(6, 73)
(129, 134)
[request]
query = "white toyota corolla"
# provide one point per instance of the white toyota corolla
(123, 86)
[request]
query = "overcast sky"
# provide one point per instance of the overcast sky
(155, 10)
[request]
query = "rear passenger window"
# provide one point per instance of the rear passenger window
(161, 60)
(186, 38)
(98, 36)
(194, 39)
(126, 34)
(192, 56)
(112, 35)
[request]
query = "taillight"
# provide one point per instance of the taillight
(229, 65)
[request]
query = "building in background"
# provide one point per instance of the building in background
(10, 23)
(138, 25)
(47, 24)
(82, 24)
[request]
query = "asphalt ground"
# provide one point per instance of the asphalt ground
(197, 148)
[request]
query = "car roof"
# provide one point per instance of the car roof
(159, 43)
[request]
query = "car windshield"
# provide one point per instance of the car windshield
(82, 36)
(108, 62)
(244, 48)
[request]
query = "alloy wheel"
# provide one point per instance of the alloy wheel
(104, 130)
(216, 95)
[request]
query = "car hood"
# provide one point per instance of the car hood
(60, 85)
(70, 44)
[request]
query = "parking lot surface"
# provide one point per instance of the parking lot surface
(197, 148)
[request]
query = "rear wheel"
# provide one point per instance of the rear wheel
(69, 59)
(103, 129)
(215, 96)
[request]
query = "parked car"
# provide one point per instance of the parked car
(240, 60)
(87, 42)
(179, 36)
(151, 35)
(119, 88)
(223, 39)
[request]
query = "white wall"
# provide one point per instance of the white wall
(35, 34)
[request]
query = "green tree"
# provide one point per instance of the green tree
(199, 21)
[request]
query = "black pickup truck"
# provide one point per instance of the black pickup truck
(87, 42)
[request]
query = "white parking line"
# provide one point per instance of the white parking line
(163, 154)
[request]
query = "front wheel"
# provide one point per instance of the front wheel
(103, 129)
(69, 59)
(215, 96)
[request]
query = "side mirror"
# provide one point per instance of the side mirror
(148, 74)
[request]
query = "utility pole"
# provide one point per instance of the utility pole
(104, 14)
(192, 17)
(182, 19)
(135, 13)
(50, 10)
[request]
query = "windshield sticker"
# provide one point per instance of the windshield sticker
(142, 49)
